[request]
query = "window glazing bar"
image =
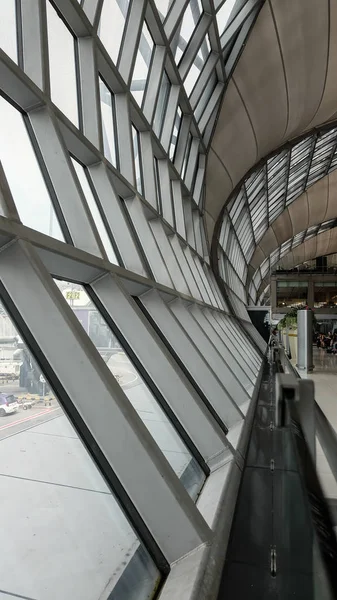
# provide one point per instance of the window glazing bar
(61, 172)
(131, 39)
(34, 42)
(191, 355)
(228, 411)
(120, 309)
(159, 497)
(152, 88)
(91, 121)
(7, 204)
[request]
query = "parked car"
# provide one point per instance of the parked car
(8, 404)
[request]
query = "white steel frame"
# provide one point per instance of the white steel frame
(159, 241)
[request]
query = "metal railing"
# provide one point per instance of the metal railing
(297, 409)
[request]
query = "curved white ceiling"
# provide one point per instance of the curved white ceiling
(283, 86)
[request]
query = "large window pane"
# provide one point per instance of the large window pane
(137, 159)
(96, 215)
(185, 32)
(64, 533)
(164, 91)
(174, 139)
(8, 41)
(163, 6)
(23, 174)
(157, 183)
(186, 156)
(197, 65)
(142, 64)
(223, 15)
(135, 388)
(108, 123)
(62, 66)
(111, 25)
(206, 95)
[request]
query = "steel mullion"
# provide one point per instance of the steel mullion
(310, 157)
(75, 256)
(7, 205)
(153, 83)
(203, 79)
(211, 106)
(286, 179)
(124, 315)
(248, 210)
(75, 18)
(86, 435)
(194, 45)
(117, 429)
(174, 18)
(169, 118)
(215, 34)
(237, 22)
(92, 9)
(334, 148)
(130, 42)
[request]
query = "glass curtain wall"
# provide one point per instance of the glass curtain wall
(106, 114)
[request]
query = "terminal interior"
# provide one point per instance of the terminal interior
(168, 299)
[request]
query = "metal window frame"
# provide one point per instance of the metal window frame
(148, 245)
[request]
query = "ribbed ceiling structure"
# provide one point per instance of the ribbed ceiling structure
(279, 114)
(284, 253)
(309, 244)
(320, 245)
(315, 210)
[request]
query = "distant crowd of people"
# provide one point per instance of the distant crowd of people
(327, 342)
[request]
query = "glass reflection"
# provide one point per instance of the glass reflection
(29, 189)
(134, 387)
(63, 527)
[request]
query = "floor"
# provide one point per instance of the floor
(325, 379)
(270, 552)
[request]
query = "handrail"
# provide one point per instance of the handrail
(326, 434)
(289, 398)
(327, 438)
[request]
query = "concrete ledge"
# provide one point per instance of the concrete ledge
(197, 576)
